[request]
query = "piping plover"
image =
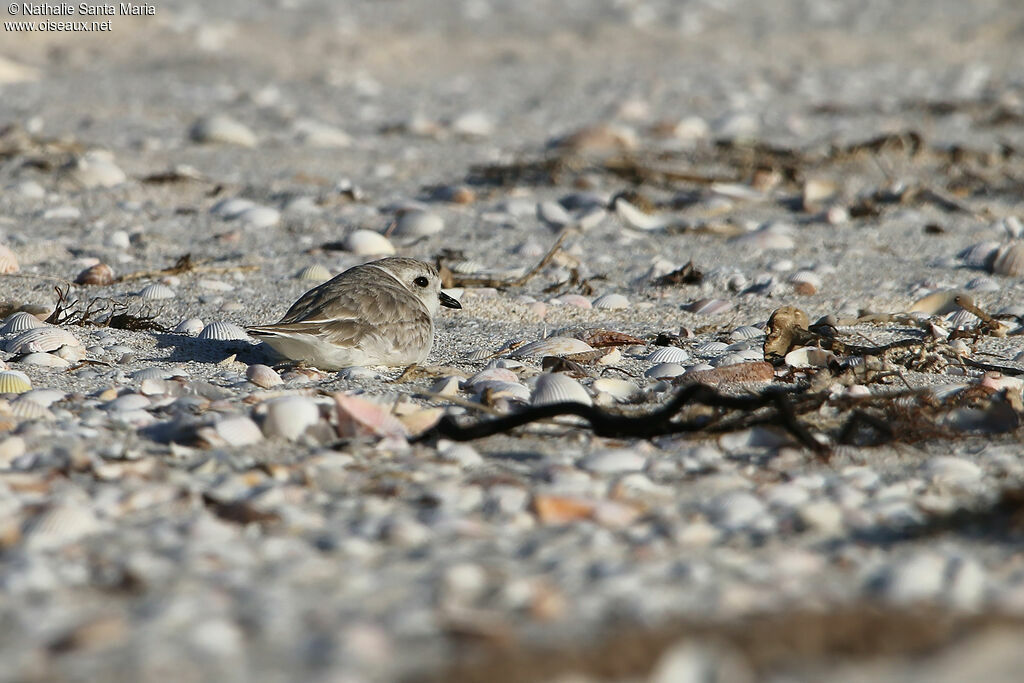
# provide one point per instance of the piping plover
(377, 313)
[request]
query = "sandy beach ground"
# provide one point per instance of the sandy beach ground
(171, 509)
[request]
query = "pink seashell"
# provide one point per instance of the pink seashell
(361, 417)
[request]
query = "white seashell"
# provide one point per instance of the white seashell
(418, 223)
(317, 134)
(151, 373)
(314, 272)
(93, 170)
(43, 339)
(20, 322)
(633, 217)
(231, 208)
(29, 189)
(552, 346)
(263, 376)
(576, 300)
(238, 430)
(807, 277)
(961, 319)
(289, 417)
(60, 525)
(127, 403)
(747, 332)
(157, 291)
(709, 306)
(98, 274)
(29, 410)
(46, 360)
(711, 348)
(979, 255)
(190, 326)
(983, 284)
(512, 391)
(8, 261)
(473, 124)
(72, 354)
(744, 356)
(611, 301)
(1009, 260)
(668, 354)
(492, 374)
(221, 128)
(14, 382)
(368, 243)
(663, 370)
(446, 386)
(44, 397)
(809, 357)
(936, 303)
(772, 236)
(619, 389)
(553, 215)
(222, 331)
(558, 388)
(260, 217)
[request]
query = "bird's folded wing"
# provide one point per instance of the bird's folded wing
(413, 332)
(377, 303)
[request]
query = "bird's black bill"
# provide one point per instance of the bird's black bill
(448, 301)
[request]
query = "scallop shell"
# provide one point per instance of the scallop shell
(263, 376)
(806, 277)
(232, 207)
(190, 326)
(20, 322)
(478, 355)
(43, 339)
(552, 346)
(8, 261)
(418, 223)
(238, 430)
(368, 243)
(668, 354)
(289, 417)
(747, 332)
(1009, 260)
(221, 128)
(558, 388)
(156, 291)
(222, 331)
(358, 416)
(611, 301)
(99, 274)
(491, 375)
(962, 319)
(314, 272)
(736, 357)
(46, 360)
(979, 255)
(14, 382)
(496, 389)
(709, 306)
(151, 373)
(29, 410)
(633, 217)
(711, 347)
(663, 370)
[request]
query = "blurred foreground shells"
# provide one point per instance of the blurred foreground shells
(1009, 260)
(263, 376)
(358, 416)
(95, 169)
(222, 331)
(558, 388)
(44, 339)
(14, 382)
(8, 261)
(99, 274)
(289, 417)
(221, 128)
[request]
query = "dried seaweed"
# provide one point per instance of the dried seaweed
(102, 312)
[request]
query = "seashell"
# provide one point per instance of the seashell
(558, 388)
(446, 386)
(20, 322)
(99, 274)
(317, 134)
(289, 417)
(72, 354)
(467, 267)
(221, 128)
(222, 331)
(418, 223)
(44, 397)
(189, 326)
(1009, 260)
(151, 373)
(43, 339)
(60, 525)
(314, 272)
(809, 357)
(611, 301)
(126, 403)
(711, 348)
(576, 300)
(936, 303)
(260, 217)
(771, 236)
(553, 215)
(738, 357)
(368, 243)
(478, 355)
(238, 430)
(93, 170)
(962, 319)
(8, 261)
(14, 382)
(157, 291)
(805, 282)
(619, 389)
(361, 417)
(29, 410)
(983, 284)
(980, 255)
(668, 354)
(263, 376)
(599, 138)
(473, 124)
(232, 207)
(492, 374)
(46, 360)
(552, 346)
(633, 217)
(709, 306)
(495, 389)
(663, 370)
(747, 332)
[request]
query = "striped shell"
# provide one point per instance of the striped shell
(663, 370)
(14, 382)
(709, 306)
(1009, 260)
(30, 410)
(8, 261)
(741, 356)
(962, 319)
(60, 525)
(747, 332)
(44, 397)
(263, 376)
(151, 373)
(99, 274)
(495, 389)
(611, 301)
(490, 375)
(368, 243)
(711, 347)
(314, 272)
(46, 360)
(668, 354)
(558, 388)
(157, 290)
(19, 322)
(43, 339)
(190, 326)
(979, 255)
(552, 346)
(222, 331)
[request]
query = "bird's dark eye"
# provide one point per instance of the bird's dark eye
(420, 281)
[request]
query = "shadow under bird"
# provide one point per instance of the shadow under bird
(377, 313)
